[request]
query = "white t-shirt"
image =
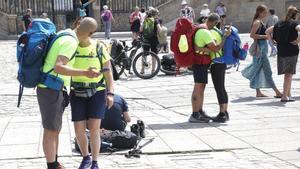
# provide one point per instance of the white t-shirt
(205, 12)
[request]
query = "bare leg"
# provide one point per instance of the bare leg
(81, 137)
(94, 126)
(287, 86)
(259, 93)
(198, 96)
(50, 144)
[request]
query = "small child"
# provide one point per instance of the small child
(162, 39)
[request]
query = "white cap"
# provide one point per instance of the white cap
(184, 2)
(205, 5)
(105, 7)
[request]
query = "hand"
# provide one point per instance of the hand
(109, 101)
(295, 42)
(92, 72)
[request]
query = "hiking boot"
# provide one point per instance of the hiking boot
(199, 119)
(85, 163)
(95, 166)
(221, 117)
(141, 125)
(135, 128)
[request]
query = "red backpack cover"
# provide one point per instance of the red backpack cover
(189, 57)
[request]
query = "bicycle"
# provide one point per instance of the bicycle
(145, 64)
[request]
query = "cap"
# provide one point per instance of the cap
(205, 5)
(184, 2)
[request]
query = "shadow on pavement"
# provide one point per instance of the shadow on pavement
(273, 103)
(244, 99)
(184, 125)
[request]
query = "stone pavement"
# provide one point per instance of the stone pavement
(262, 133)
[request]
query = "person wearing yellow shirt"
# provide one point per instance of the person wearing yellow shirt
(218, 77)
(204, 42)
(90, 96)
(58, 64)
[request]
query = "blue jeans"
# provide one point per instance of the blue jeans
(107, 28)
(273, 48)
(259, 71)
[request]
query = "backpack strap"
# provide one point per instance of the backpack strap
(101, 83)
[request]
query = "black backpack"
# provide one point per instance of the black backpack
(120, 139)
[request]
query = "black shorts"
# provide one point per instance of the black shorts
(200, 73)
(86, 108)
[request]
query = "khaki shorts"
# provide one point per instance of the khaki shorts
(52, 106)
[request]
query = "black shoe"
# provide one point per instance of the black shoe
(221, 117)
(135, 128)
(200, 117)
(141, 124)
(227, 115)
(203, 114)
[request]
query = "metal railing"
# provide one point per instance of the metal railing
(19, 7)
(128, 5)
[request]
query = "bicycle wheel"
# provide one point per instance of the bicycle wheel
(146, 65)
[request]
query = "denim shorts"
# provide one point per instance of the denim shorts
(200, 73)
(86, 108)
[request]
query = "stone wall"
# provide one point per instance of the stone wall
(240, 12)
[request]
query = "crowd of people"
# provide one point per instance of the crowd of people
(92, 91)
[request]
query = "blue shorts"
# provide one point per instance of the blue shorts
(200, 73)
(86, 108)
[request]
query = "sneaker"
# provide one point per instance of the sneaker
(95, 166)
(203, 113)
(141, 125)
(221, 117)
(199, 119)
(85, 163)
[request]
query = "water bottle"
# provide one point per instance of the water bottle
(246, 46)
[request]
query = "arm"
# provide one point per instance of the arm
(126, 116)
(254, 29)
(61, 67)
(109, 84)
(23, 26)
(269, 32)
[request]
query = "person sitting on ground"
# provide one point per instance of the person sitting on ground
(117, 117)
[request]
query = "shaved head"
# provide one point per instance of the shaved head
(87, 25)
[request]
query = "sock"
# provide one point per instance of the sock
(195, 114)
(87, 157)
(52, 165)
(94, 162)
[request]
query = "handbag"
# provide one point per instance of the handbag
(254, 49)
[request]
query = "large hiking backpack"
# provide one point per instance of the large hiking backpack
(32, 48)
(232, 50)
(148, 28)
(182, 44)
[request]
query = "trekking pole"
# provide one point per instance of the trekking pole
(136, 151)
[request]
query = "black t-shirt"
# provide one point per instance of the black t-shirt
(285, 32)
(114, 119)
(27, 20)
